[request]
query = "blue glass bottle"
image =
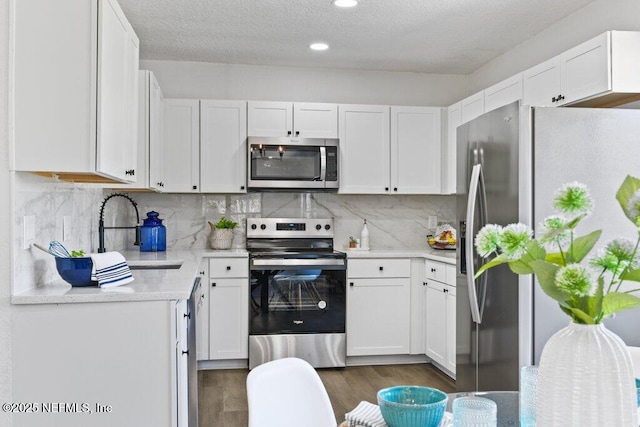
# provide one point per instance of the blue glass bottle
(153, 234)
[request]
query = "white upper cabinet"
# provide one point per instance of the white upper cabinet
(223, 151)
(503, 93)
(180, 170)
(286, 119)
(454, 120)
(156, 132)
(364, 149)
(599, 72)
(79, 118)
(416, 141)
(472, 107)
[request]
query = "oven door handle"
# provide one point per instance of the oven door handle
(280, 262)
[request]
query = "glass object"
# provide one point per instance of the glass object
(474, 411)
(412, 406)
(153, 234)
(591, 365)
(528, 392)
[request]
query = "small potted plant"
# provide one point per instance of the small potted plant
(353, 243)
(221, 235)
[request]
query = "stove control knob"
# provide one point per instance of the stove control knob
(253, 226)
(318, 226)
(262, 227)
(327, 227)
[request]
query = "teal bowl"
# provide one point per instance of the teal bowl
(76, 271)
(412, 406)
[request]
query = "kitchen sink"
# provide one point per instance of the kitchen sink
(155, 264)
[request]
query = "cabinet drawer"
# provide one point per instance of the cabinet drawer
(228, 267)
(374, 268)
(445, 273)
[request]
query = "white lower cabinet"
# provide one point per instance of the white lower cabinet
(228, 308)
(378, 307)
(440, 315)
(118, 359)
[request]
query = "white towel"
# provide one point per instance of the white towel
(110, 269)
(366, 414)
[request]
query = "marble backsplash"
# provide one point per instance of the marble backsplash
(394, 222)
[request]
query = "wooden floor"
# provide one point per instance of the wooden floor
(222, 396)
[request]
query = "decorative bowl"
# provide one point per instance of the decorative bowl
(76, 271)
(412, 406)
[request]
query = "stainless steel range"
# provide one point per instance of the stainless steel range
(297, 292)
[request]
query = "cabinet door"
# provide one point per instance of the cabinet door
(472, 107)
(180, 146)
(416, 141)
(223, 151)
(117, 57)
(202, 313)
(454, 119)
(542, 83)
(314, 120)
(269, 118)
(156, 131)
(436, 309)
(364, 149)
(503, 93)
(379, 317)
(228, 319)
(450, 304)
(586, 69)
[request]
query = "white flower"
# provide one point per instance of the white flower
(573, 199)
(513, 240)
(487, 239)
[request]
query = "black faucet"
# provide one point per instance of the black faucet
(101, 226)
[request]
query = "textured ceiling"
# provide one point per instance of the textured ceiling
(432, 36)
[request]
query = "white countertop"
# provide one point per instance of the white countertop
(148, 285)
(174, 284)
(445, 256)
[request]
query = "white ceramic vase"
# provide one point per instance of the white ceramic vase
(586, 379)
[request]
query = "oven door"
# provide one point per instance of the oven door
(278, 163)
(297, 296)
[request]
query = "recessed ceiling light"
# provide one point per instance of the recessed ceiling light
(345, 3)
(319, 46)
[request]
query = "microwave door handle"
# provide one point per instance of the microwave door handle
(323, 164)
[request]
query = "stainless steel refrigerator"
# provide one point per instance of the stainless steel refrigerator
(510, 161)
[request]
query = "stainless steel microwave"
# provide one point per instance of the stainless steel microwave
(284, 163)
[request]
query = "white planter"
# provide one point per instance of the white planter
(221, 238)
(586, 379)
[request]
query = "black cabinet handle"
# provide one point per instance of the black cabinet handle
(242, 187)
(130, 172)
(386, 188)
(288, 133)
(553, 99)
(446, 290)
(228, 267)
(433, 270)
(185, 352)
(424, 283)
(395, 188)
(213, 284)
(350, 283)
(195, 187)
(297, 133)
(188, 315)
(202, 273)
(381, 268)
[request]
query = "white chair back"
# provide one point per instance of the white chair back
(288, 393)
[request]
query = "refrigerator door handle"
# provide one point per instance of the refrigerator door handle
(476, 176)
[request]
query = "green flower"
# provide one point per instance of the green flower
(616, 256)
(487, 239)
(574, 279)
(573, 199)
(553, 229)
(633, 207)
(513, 240)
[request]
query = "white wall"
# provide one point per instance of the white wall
(588, 22)
(269, 83)
(6, 218)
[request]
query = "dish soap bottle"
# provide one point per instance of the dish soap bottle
(364, 237)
